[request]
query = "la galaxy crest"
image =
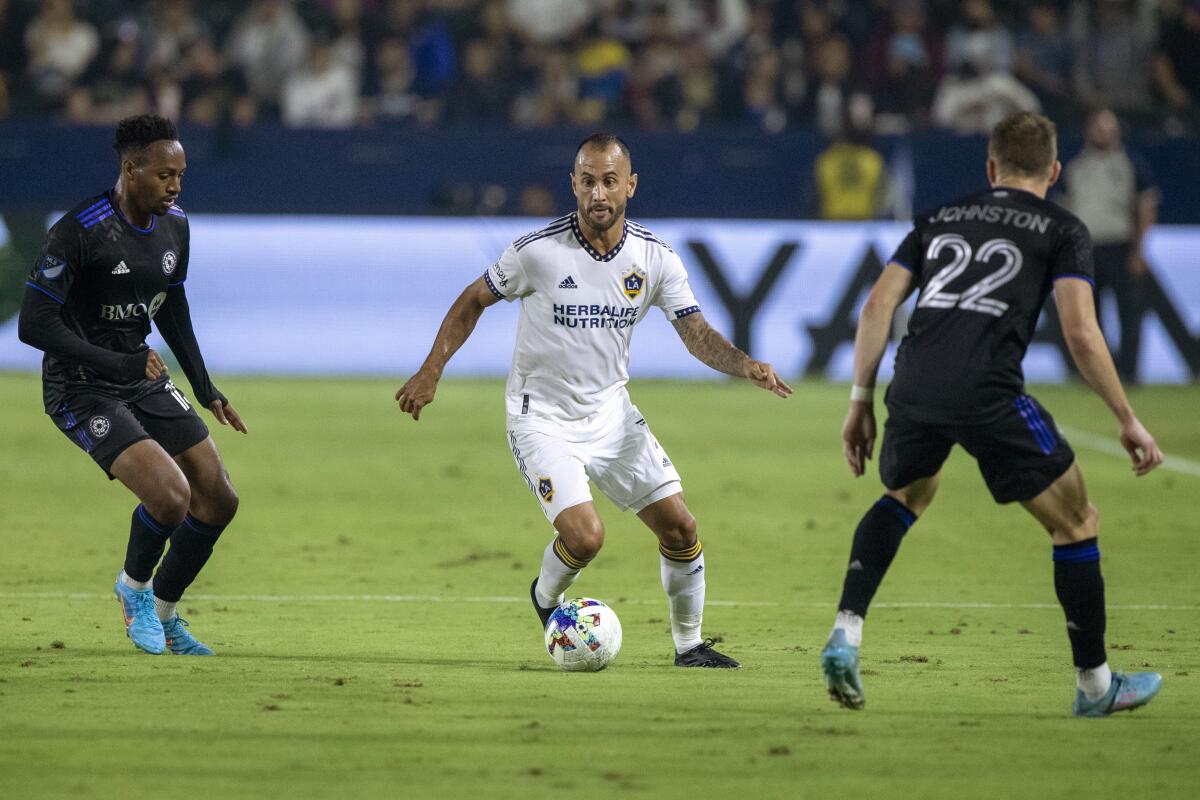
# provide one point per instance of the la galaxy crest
(633, 282)
(545, 488)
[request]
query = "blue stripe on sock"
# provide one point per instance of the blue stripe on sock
(1077, 552)
(901, 510)
(150, 522)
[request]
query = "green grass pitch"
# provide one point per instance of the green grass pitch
(373, 637)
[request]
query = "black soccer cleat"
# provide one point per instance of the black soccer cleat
(543, 613)
(703, 655)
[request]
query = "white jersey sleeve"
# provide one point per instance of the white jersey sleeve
(674, 295)
(508, 278)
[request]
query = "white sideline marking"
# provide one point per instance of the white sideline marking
(429, 598)
(1112, 447)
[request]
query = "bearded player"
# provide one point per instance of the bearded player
(584, 281)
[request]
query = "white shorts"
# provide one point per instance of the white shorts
(622, 457)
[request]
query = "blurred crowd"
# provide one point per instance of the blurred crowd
(836, 65)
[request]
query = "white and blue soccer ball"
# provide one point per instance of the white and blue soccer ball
(583, 635)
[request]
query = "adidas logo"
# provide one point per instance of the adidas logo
(120, 269)
(569, 283)
(697, 570)
(855, 565)
(666, 461)
(1071, 626)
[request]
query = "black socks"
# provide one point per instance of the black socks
(876, 542)
(1080, 589)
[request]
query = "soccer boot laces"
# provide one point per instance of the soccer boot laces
(703, 655)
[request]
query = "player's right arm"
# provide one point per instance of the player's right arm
(41, 323)
(870, 343)
(460, 320)
(1077, 312)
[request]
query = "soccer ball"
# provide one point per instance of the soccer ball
(583, 635)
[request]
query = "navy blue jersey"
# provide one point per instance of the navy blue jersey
(111, 278)
(984, 265)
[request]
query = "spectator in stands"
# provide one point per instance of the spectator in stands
(1044, 59)
(268, 43)
(851, 176)
(215, 93)
(12, 52)
(549, 22)
(1113, 49)
(170, 29)
(978, 38)
(698, 86)
(1177, 63)
(481, 92)
(348, 47)
(603, 64)
(115, 88)
(60, 47)
(394, 99)
(1112, 191)
(324, 94)
(832, 89)
(902, 61)
(973, 99)
(548, 96)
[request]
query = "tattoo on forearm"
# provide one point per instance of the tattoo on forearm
(709, 346)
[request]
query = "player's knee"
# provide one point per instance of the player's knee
(680, 534)
(584, 539)
(1084, 524)
(170, 503)
(915, 501)
(225, 504)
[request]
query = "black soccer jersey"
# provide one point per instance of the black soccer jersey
(107, 279)
(984, 265)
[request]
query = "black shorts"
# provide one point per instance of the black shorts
(1019, 455)
(104, 427)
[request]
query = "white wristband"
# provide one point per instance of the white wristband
(862, 394)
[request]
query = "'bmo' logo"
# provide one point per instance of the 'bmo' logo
(131, 310)
(633, 282)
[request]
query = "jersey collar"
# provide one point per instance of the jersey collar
(112, 196)
(587, 246)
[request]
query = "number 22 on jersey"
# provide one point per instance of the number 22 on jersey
(974, 297)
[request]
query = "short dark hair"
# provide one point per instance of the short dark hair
(1024, 144)
(603, 141)
(135, 134)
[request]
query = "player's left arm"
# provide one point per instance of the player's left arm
(870, 343)
(708, 346)
(174, 321)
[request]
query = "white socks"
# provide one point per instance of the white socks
(852, 624)
(165, 610)
(684, 585)
(1093, 683)
(559, 570)
(132, 584)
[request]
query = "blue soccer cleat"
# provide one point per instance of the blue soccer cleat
(180, 641)
(1126, 693)
(839, 662)
(141, 620)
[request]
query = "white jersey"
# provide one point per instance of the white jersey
(578, 309)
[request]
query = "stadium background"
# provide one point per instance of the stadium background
(352, 165)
